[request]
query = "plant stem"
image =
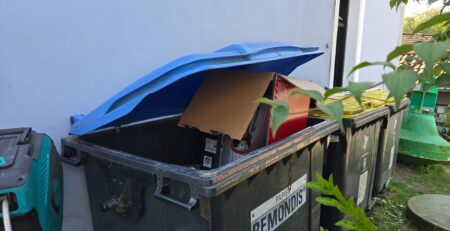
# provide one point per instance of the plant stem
(339, 100)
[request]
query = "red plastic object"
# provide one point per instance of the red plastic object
(298, 108)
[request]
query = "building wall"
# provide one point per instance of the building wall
(59, 58)
(382, 33)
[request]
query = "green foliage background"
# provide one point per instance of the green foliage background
(411, 23)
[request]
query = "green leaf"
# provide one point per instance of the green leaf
(322, 181)
(330, 180)
(397, 3)
(399, 83)
(440, 18)
(315, 186)
(366, 64)
(392, 3)
(320, 178)
(334, 110)
(279, 111)
(323, 229)
(333, 91)
(357, 89)
(446, 67)
(343, 209)
(443, 81)
(338, 194)
(400, 50)
(311, 93)
(357, 219)
(347, 225)
(327, 201)
(429, 52)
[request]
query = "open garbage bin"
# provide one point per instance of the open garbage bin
(144, 172)
(351, 157)
(388, 140)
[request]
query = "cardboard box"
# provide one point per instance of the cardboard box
(225, 108)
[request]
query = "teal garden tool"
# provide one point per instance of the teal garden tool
(31, 181)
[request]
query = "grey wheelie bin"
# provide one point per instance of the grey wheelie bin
(388, 147)
(144, 172)
(351, 157)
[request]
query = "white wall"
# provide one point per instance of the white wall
(59, 58)
(382, 33)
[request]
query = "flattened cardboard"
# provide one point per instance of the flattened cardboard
(303, 84)
(226, 102)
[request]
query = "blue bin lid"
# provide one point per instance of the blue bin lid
(169, 89)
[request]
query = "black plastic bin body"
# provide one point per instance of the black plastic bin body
(130, 189)
(388, 148)
(351, 158)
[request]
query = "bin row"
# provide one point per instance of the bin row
(186, 148)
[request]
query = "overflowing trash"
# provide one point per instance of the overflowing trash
(225, 108)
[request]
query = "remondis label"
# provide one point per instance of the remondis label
(272, 213)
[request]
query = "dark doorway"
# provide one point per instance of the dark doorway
(340, 43)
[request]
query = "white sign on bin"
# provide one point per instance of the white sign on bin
(272, 213)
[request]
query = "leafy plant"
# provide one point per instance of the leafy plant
(410, 23)
(332, 196)
(433, 56)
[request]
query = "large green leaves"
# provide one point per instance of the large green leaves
(311, 93)
(430, 52)
(279, 110)
(400, 50)
(333, 91)
(357, 89)
(438, 19)
(366, 64)
(397, 3)
(348, 225)
(446, 67)
(399, 83)
(443, 81)
(334, 110)
(355, 219)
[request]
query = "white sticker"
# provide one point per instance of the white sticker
(391, 158)
(366, 141)
(334, 138)
(207, 161)
(364, 163)
(362, 187)
(394, 133)
(211, 145)
(272, 213)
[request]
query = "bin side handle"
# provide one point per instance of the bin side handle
(73, 157)
(159, 194)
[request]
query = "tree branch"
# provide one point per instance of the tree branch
(444, 5)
